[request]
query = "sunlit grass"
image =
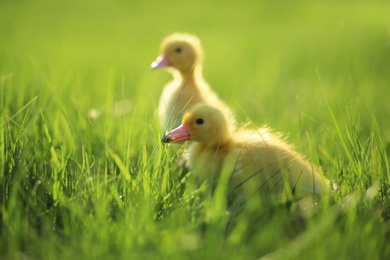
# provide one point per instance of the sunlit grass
(83, 172)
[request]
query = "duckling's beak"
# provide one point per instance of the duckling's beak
(177, 135)
(161, 61)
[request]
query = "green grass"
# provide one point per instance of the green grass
(76, 186)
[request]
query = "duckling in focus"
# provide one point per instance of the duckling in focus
(260, 160)
(182, 55)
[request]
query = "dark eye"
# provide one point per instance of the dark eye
(178, 50)
(199, 121)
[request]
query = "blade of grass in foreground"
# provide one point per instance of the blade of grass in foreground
(2, 139)
(340, 135)
(118, 161)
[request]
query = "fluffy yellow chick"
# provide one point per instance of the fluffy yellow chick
(182, 55)
(261, 161)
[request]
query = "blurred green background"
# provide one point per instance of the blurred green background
(259, 54)
(318, 71)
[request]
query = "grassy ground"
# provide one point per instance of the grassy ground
(83, 173)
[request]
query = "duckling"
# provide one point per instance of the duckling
(259, 160)
(182, 55)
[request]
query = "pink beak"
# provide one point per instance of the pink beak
(161, 61)
(177, 135)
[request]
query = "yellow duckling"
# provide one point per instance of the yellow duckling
(261, 161)
(182, 55)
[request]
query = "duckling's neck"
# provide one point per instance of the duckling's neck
(222, 143)
(192, 76)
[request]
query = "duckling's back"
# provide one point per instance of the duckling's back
(267, 164)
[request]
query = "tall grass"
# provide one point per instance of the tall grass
(83, 172)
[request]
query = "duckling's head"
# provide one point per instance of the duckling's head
(180, 51)
(203, 124)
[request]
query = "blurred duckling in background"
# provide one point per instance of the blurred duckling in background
(182, 55)
(261, 161)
